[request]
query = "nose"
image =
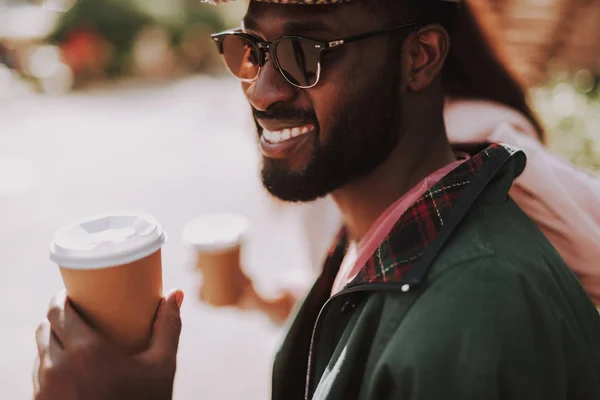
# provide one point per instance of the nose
(269, 88)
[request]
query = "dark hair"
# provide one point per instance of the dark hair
(476, 67)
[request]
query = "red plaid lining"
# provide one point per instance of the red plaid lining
(416, 228)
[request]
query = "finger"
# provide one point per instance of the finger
(50, 358)
(42, 338)
(55, 350)
(36, 377)
(55, 314)
(68, 326)
(167, 327)
(49, 353)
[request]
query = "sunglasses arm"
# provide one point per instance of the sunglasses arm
(354, 38)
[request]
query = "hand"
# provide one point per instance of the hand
(76, 363)
(278, 310)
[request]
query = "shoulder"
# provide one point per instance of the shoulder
(479, 314)
(493, 273)
(494, 229)
(474, 333)
(495, 283)
(462, 127)
(496, 308)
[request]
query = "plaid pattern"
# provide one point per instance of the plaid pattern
(417, 227)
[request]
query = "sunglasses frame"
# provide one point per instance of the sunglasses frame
(266, 50)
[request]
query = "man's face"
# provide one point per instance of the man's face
(345, 126)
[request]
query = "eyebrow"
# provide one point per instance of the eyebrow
(291, 27)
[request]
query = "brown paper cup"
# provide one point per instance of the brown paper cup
(120, 302)
(217, 240)
(223, 280)
(112, 270)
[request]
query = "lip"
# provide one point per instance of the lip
(286, 149)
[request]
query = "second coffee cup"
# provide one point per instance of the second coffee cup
(217, 241)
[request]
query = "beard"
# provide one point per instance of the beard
(362, 137)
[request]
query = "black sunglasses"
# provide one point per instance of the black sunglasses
(297, 58)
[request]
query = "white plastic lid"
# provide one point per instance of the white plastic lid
(106, 241)
(216, 232)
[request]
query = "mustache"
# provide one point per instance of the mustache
(282, 112)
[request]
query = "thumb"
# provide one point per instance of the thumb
(167, 327)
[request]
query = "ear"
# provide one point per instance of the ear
(427, 52)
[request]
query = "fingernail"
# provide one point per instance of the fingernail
(179, 299)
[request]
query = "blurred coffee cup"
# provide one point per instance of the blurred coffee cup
(217, 241)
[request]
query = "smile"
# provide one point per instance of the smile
(283, 135)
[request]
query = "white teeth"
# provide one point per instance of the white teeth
(286, 134)
(270, 136)
(273, 137)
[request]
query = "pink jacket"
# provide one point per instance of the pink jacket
(562, 199)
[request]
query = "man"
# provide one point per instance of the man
(438, 287)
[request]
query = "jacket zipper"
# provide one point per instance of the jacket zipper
(362, 288)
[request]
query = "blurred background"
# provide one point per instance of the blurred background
(124, 104)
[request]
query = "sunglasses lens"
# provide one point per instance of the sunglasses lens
(299, 61)
(241, 57)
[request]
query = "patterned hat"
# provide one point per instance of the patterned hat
(307, 2)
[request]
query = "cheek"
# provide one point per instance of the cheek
(326, 101)
(336, 101)
(329, 99)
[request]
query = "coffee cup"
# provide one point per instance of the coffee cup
(217, 241)
(112, 270)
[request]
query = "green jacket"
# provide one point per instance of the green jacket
(465, 299)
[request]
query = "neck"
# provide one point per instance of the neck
(364, 200)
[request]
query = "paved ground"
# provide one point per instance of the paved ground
(175, 150)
